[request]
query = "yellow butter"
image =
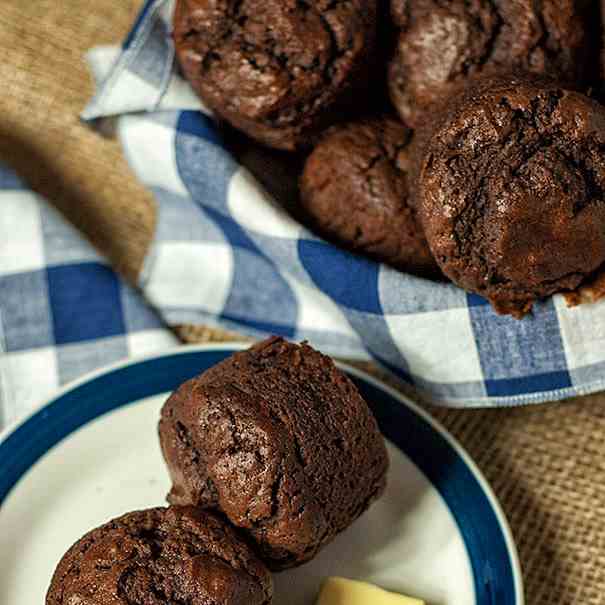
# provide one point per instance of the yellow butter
(340, 591)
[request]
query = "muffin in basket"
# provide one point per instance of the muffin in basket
(511, 190)
(278, 70)
(442, 45)
(356, 190)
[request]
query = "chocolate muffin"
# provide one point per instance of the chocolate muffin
(443, 44)
(511, 187)
(158, 556)
(355, 190)
(276, 69)
(280, 441)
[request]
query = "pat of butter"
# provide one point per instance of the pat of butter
(339, 591)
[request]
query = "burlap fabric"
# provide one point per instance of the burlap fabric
(546, 464)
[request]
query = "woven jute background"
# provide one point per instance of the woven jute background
(546, 464)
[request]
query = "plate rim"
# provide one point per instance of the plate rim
(375, 382)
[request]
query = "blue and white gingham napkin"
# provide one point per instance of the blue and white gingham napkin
(63, 311)
(226, 254)
(257, 270)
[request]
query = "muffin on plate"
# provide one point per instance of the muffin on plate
(355, 190)
(281, 442)
(277, 70)
(511, 188)
(158, 556)
(442, 45)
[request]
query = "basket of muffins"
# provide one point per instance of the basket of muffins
(272, 453)
(459, 140)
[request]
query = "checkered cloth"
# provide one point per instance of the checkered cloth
(63, 311)
(226, 254)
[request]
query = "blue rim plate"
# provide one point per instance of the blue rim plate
(471, 502)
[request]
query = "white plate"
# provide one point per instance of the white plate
(92, 453)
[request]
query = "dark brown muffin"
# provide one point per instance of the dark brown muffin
(444, 43)
(355, 190)
(275, 69)
(280, 441)
(511, 190)
(159, 556)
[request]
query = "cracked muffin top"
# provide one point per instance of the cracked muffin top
(355, 190)
(275, 69)
(511, 187)
(159, 556)
(280, 441)
(443, 43)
